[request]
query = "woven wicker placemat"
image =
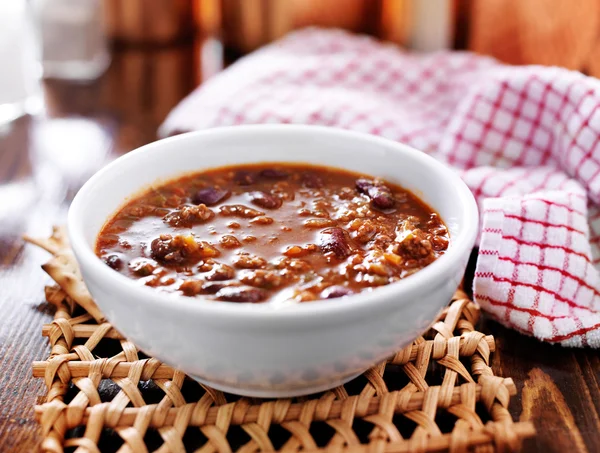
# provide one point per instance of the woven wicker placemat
(438, 394)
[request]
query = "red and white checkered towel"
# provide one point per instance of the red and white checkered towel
(525, 139)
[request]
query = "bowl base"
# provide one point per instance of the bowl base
(275, 393)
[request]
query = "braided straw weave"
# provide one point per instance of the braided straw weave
(438, 394)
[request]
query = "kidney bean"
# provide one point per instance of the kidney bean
(438, 243)
(114, 262)
(241, 294)
(312, 181)
(162, 249)
(244, 178)
(210, 196)
(335, 291)
(215, 287)
(265, 200)
(363, 185)
(381, 196)
(273, 173)
(335, 240)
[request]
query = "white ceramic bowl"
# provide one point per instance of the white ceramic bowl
(256, 349)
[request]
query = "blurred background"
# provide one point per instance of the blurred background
(137, 58)
(83, 81)
(143, 56)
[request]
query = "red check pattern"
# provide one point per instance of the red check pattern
(526, 140)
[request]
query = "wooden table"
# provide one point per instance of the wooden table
(43, 162)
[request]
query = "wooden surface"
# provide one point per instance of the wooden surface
(44, 161)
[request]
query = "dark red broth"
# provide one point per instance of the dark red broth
(272, 233)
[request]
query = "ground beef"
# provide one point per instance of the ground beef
(318, 223)
(416, 246)
(230, 242)
(239, 210)
(189, 215)
(296, 251)
(142, 267)
(261, 278)
(363, 230)
(293, 264)
(220, 272)
(261, 220)
(247, 261)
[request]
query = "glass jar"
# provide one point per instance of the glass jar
(73, 38)
(20, 89)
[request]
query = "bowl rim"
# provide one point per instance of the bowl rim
(440, 270)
